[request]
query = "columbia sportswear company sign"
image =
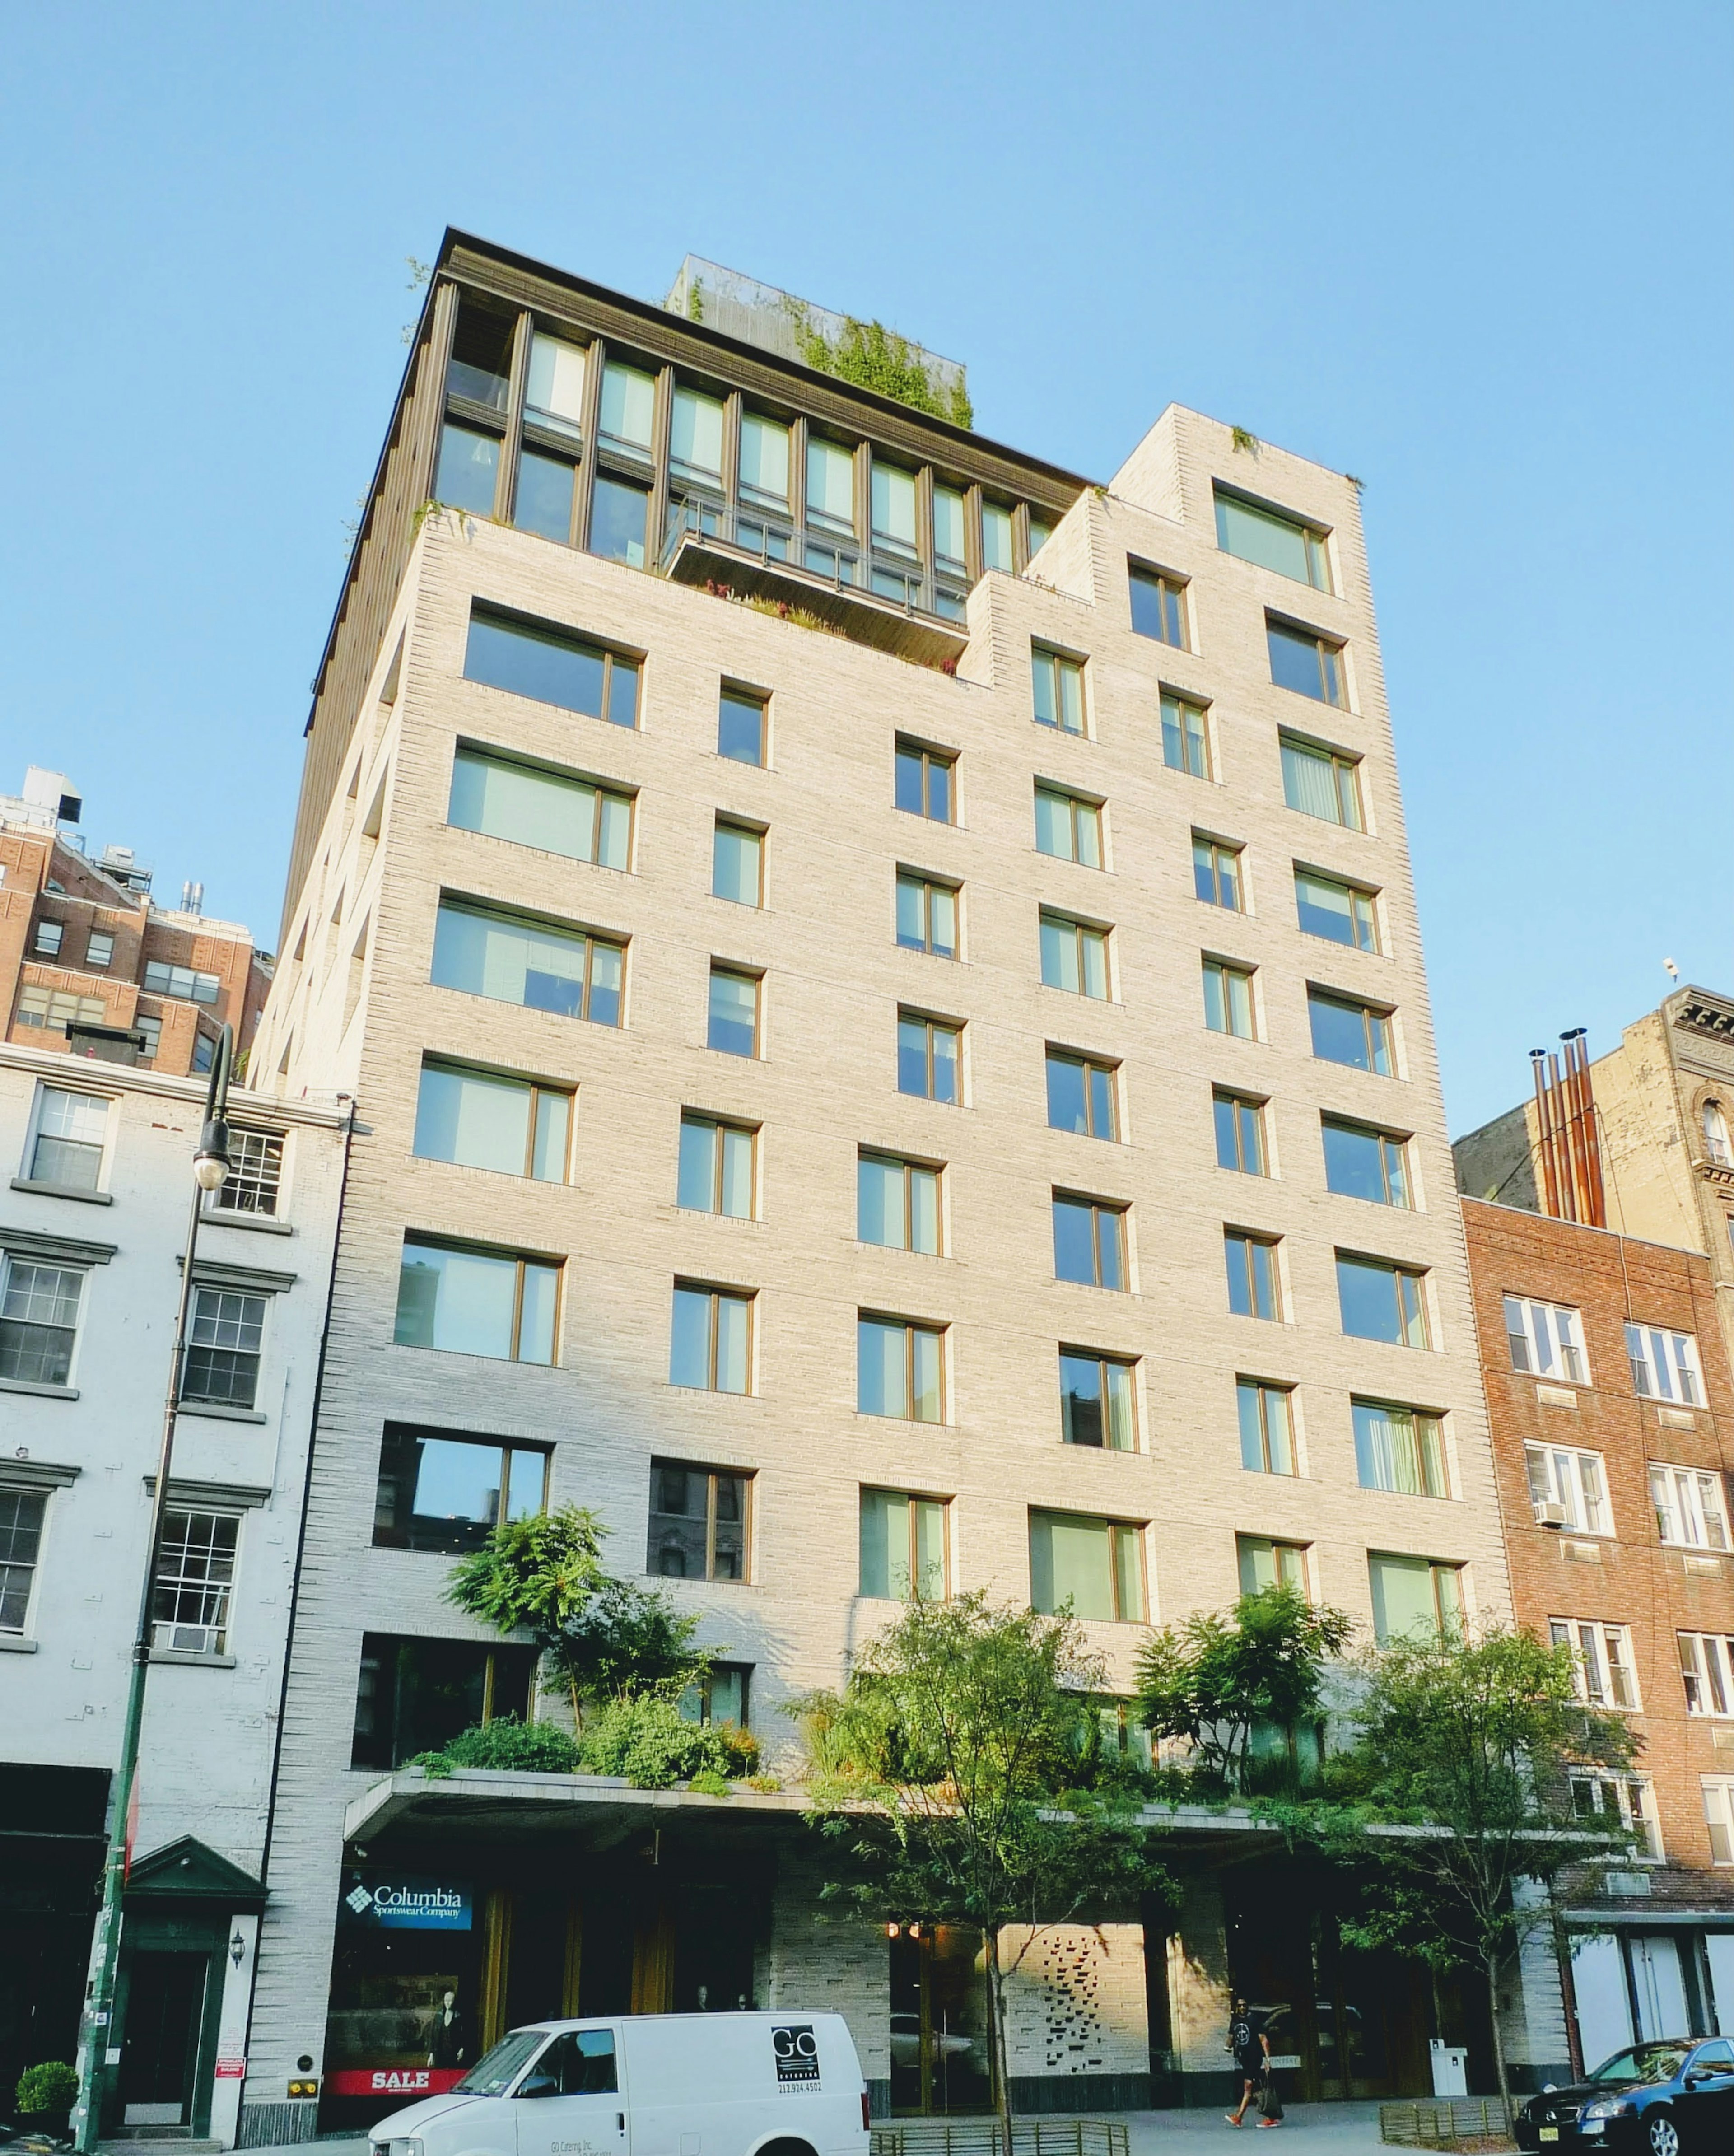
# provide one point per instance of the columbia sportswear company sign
(404, 1901)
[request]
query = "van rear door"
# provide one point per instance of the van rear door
(570, 2103)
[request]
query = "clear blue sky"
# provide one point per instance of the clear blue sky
(1477, 253)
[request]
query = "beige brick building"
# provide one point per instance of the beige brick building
(1040, 845)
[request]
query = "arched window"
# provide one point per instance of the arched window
(1715, 1135)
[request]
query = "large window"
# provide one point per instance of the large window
(71, 1129)
(415, 1695)
(929, 1054)
(1321, 782)
(1380, 1300)
(478, 1119)
(554, 394)
(894, 509)
(194, 1579)
(699, 1522)
(1691, 1507)
(1568, 1488)
(716, 1171)
(1622, 1803)
(1239, 1133)
(1227, 998)
(732, 1023)
(22, 1514)
(1090, 1242)
(1159, 606)
(1255, 1276)
(830, 487)
(1267, 1427)
(1415, 1598)
(1093, 1566)
(1355, 1033)
(511, 959)
(903, 1547)
(1186, 736)
(926, 914)
(1067, 826)
(180, 982)
(1706, 1669)
(39, 1319)
(552, 666)
(1364, 1163)
(1075, 956)
(476, 1302)
(1340, 912)
(897, 1203)
(1096, 1397)
(742, 720)
(440, 1491)
(254, 1181)
(1401, 1450)
(926, 783)
(1082, 1095)
(469, 468)
(1263, 1564)
(1603, 1672)
(546, 494)
(546, 810)
(1272, 540)
(899, 1369)
(1219, 877)
(224, 1340)
(763, 477)
(1664, 1365)
(628, 408)
(737, 863)
(1307, 663)
(1057, 686)
(711, 1339)
(619, 513)
(55, 1007)
(695, 439)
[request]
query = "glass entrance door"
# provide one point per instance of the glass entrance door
(942, 2056)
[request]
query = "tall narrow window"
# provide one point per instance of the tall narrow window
(733, 1020)
(740, 727)
(1664, 1365)
(469, 1302)
(1093, 1566)
(830, 486)
(469, 470)
(479, 369)
(764, 462)
(515, 960)
(1240, 1132)
(193, 1581)
(628, 408)
(929, 1058)
(39, 1319)
(1272, 540)
(1360, 1163)
(926, 783)
(551, 810)
(1090, 1242)
(894, 509)
(737, 864)
(710, 1344)
(996, 537)
(22, 1514)
(1715, 1125)
(1186, 736)
(550, 666)
(50, 936)
(1159, 606)
(897, 1203)
(1307, 663)
(716, 1168)
(1095, 1400)
(1382, 1301)
(1217, 874)
(1068, 827)
(224, 1339)
(1227, 998)
(619, 513)
(1322, 782)
(950, 547)
(903, 1547)
(1058, 688)
(899, 1369)
(1399, 1448)
(926, 914)
(699, 1519)
(1081, 1095)
(1414, 1599)
(71, 1129)
(1255, 1288)
(1075, 956)
(554, 394)
(1267, 1433)
(695, 439)
(1355, 1033)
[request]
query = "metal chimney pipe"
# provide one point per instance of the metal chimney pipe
(1563, 1139)
(1596, 1209)
(1537, 1060)
(1579, 1163)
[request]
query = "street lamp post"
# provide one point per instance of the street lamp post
(210, 1166)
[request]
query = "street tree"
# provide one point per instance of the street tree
(959, 1777)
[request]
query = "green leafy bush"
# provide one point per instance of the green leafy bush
(49, 2089)
(647, 1741)
(533, 1747)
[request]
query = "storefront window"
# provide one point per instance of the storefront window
(405, 1984)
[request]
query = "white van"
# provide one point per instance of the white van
(650, 2085)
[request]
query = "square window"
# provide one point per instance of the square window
(926, 783)
(1090, 1242)
(1361, 1163)
(1414, 1598)
(443, 1490)
(1159, 606)
(1400, 1449)
(1267, 1431)
(1340, 912)
(1382, 1301)
(99, 949)
(1094, 1568)
(733, 1023)
(897, 1203)
(469, 1301)
(1096, 1396)
(899, 1369)
(699, 1519)
(1059, 691)
(1355, 1033)
(903, 1547)
(710, 1349)
(1309, 664)
(1068, 827)
(1081, 1095)
(1263, 1564)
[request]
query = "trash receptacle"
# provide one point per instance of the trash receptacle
(1450, 2069)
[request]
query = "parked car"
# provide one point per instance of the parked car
(728, 2084)
(1670, 2097)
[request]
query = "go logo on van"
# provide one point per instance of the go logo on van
(796, 2051)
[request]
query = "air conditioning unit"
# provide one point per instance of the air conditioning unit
(1553, 1516)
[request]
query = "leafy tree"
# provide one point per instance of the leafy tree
(947, 1783)
(1217, 1680)
(625, 1639)
(1470, 1739)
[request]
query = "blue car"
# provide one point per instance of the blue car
(1671, 2097)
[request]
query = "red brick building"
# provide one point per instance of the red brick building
(83, 946)
(1611, 1405)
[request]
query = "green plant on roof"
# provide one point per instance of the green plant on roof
(695, 300)
(1245, 438)
(874, 357)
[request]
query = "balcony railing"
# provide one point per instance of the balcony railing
(815, 560)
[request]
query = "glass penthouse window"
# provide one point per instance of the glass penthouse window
(479, 369)
(628, 414)
(695, 439)
(997, 537)
(894, 509)
(549, 810)
(763, 478)
(554, 393)
(1272, 540)
(512, 960)
(830, 487)
(481, 1119)
(469, 470)
(552, 666)
(950, 524)
(619, 512)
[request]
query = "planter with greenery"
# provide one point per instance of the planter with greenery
(45, 2095)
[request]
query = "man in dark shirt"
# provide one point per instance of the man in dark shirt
(1251, 2048)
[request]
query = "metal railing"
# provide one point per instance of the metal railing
(1445, 2122)
(817, 558)
(980, 2136)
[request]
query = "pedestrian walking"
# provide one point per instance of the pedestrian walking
(1251, 2048)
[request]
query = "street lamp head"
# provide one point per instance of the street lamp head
(210, 1163)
